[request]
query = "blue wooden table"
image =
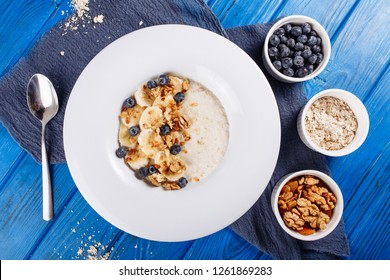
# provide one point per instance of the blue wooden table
(360, 37)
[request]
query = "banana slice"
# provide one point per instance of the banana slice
(169, 165)
(136, 158)
(150, 142)
(143, 96)
(176, 83)
(130, 116)
(151, 118)
(125, 139)
(165, 102)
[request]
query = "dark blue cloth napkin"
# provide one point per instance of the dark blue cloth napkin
(258, 225)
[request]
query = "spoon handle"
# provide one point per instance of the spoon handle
(47, 194)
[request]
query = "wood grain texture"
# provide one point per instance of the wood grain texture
(359, 63)
(10, 152)
(230, 12)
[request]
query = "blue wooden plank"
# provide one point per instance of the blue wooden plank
(331, 15)
(78, 233)
(230, 247)
(243, 12)
(21, 220)
(134, 248)
(22, 23)
(365, 182)
(10, 154)
(359, 52)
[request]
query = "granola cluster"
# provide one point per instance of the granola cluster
(306, 204)
(153, 131)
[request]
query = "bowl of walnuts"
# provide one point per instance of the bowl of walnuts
(307, 204)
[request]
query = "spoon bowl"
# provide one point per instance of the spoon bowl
(42, 102)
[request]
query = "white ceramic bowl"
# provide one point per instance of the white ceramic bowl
(325, 45)
(356, 106)
(337, 211)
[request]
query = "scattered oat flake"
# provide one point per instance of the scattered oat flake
(98, 19)
(140, 23)
(62, 53)
(81, 7)
(80, 251)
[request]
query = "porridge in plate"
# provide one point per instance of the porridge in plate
(172, 131)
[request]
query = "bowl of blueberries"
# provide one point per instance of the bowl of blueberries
(297, 48)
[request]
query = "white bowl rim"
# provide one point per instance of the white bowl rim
(327, 49)
(337, 211)
(362, 127)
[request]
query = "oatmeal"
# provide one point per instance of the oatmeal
(172, 131)
(330, 123)
(306, 204)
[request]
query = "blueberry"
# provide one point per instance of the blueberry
(129, 102)
(284, 50)
(179, 97)
(301, 72)
(290, 43)
(287, 62)
(182, 182)
(151, 84)
(273, 51)
(274, 40)
(134, 130)
(310, 68)
(306, 28)
(288, 72)
(165, 129)
(283, 39)
(311, 41)
(299, 46)
(281, 46)
(142, 172)
(299, 61)
(152, 169)
(316, 49)
(121, 152)
(306, 53)
(297, 53)
(318, 41)
(277, 64)
(302, 39)
(313, 33)
(320, 57)
(279, 31)
(175, 149)
(296, 31)
(312, 59)
(287, 28)
(163, 80)
(291, 53)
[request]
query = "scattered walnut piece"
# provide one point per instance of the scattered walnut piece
(306, 204)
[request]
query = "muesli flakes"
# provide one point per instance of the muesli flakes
(330, 123)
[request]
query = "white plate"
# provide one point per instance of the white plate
(91, 127)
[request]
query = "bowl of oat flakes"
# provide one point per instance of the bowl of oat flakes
(334, 122)
(307, 204)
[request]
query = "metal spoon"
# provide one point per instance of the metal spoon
(43, 104)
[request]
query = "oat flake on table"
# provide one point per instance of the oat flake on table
(82, 16)
(330, 123)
